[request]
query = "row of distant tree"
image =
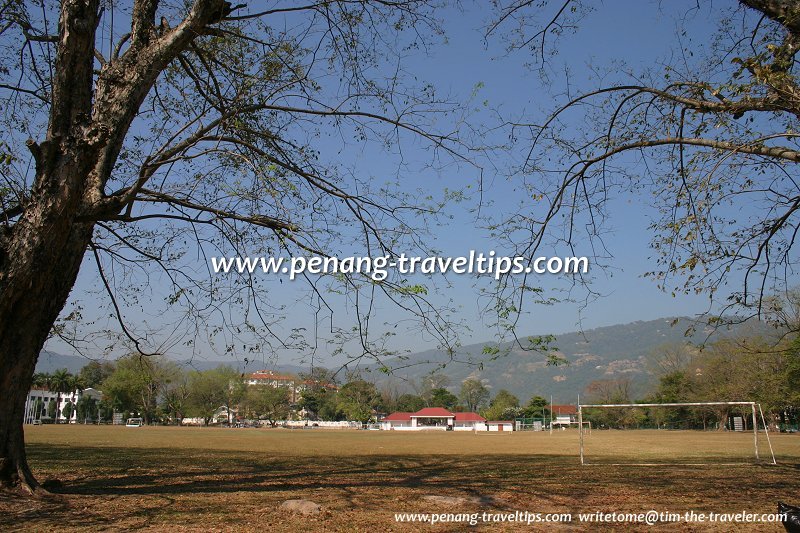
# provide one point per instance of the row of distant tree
(161, 391)
(473, 396)
(360, 400)
(734, 369)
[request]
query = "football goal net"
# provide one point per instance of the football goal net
(674, 434)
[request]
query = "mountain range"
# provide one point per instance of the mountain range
(624, 350)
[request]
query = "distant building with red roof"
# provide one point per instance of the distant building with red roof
(564, 409)
(564, 415)
(398, 417)
(433, 412)
(438, 418)
(469, 417)
(294, 385)
(270, 378)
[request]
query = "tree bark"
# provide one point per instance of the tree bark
(41, 254)
(36, 282)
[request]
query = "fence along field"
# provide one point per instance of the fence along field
(201, 478)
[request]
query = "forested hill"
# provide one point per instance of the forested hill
(602, 353)
(624, 350)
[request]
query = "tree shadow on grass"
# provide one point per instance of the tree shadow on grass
(162, 471)
(138, 482)
(138, 471)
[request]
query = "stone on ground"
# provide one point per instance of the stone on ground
(306, 507)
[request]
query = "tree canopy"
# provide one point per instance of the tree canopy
(473, 394)
(708, 139)
(142, 138)
(359, 399)
(209, 390)
(138, 382)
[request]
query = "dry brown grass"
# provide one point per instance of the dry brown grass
(235, 479)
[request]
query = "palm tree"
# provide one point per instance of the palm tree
(40, 379)
(78, 383)
(61, 382)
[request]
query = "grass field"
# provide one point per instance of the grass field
(235, 479)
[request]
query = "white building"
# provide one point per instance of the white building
(46, 396)
(221, 416)
(499, 425)
(439, 419)
(293, 384)
(564, 415)
(270, 378)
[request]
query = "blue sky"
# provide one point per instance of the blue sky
(640, 34)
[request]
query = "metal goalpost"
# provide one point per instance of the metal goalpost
(752, 405)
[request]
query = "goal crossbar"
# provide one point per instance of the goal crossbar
(752, 405)
(692, 404)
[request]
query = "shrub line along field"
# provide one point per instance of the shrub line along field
(235, 479)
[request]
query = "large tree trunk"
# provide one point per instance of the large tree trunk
(36, 278)
(40, 255)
